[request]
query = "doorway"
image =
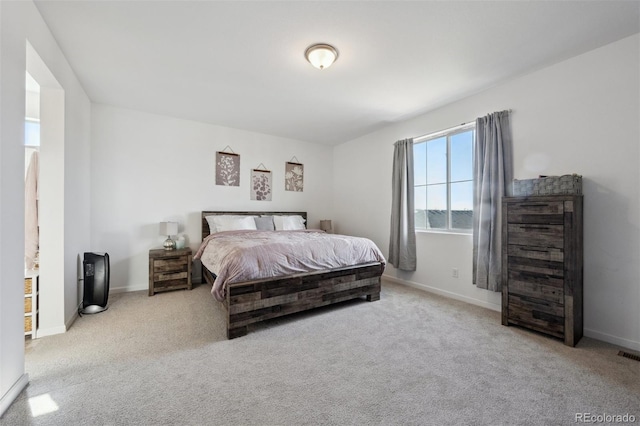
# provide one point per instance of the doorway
(51, 98)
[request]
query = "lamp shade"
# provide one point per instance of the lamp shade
(168, 228)
(325, 225)
(321, 56)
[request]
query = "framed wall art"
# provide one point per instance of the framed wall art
(293, 176)
(261, 184)
(227, 168)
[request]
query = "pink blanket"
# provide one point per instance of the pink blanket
(237, 256)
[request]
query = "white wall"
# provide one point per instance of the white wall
(32, 104)
(149, 168)
(20, 23)
(579, 116)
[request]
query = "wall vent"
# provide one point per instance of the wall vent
(629, 355)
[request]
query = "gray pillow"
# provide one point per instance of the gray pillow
(264, 223)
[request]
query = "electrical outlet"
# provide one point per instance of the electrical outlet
(454, 272)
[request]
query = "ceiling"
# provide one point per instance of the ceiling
(240, 64)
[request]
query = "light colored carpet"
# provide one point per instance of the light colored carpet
(411, 358)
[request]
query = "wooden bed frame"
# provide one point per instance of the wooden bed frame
(254, 301)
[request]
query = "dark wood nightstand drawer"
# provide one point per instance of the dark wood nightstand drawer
(171, 264)
(166, 276)
(169, 270)
(167, 285)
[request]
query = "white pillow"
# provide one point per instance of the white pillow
(221, 223)
(277, 222)
(237, 224)
(211, 220)
(288, 223)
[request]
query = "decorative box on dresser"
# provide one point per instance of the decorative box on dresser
(31, 304)
(169, 270)
(542, 264)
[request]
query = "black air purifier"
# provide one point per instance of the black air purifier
(96, 283)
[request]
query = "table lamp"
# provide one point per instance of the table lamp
(169, 229)
(326, 226)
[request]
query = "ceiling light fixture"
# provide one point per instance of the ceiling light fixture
(321, 56)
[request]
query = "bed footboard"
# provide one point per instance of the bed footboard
(254, 301)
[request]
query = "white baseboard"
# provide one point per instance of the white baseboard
(58, 330)
(73, 318)
(11, 395)
(43, 332)
(619, 341)
(145, 287)
(444, 293)
(114, 290)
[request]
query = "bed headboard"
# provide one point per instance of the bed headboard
(205, 224)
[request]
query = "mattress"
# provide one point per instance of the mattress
(239, 256)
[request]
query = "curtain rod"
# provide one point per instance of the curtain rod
(459, 126)
(442, 132)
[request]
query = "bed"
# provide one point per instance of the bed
(251, 301)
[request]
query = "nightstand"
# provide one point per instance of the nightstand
(169, 270)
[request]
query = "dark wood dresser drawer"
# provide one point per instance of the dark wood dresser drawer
(539, 287)
(535, 269)
(549, 212)
(532, 252)
(536, 235)
(546, 317)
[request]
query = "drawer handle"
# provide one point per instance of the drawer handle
(534, 205)
(534, 227)
(536, 250)
(532, 275)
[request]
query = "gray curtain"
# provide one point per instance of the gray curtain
(402, 241)
(492, 175)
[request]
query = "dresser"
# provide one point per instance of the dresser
(542, 264)
(31, 304)
(169, 270)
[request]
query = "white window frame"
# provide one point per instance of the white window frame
(448, 133)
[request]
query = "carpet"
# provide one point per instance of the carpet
(412, 358)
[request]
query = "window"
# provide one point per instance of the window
(443, 180)
(31, 132)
